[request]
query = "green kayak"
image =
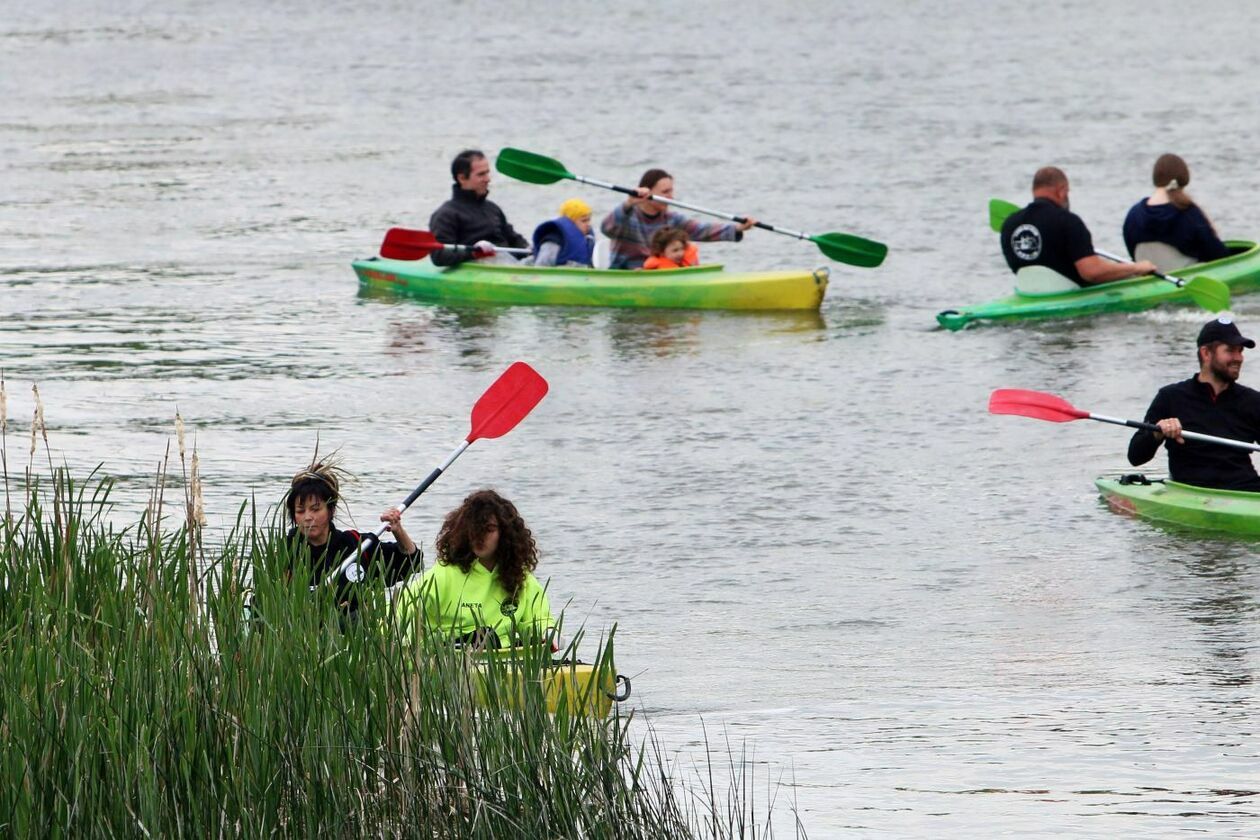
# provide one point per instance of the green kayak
(1222, 511)
(701, 287)
(1240, 272)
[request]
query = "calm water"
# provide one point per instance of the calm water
(813, 538)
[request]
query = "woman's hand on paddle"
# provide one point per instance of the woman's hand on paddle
(1170, 428)
(393, 523)
(640, 195)
(748, 222)
(1144, 267)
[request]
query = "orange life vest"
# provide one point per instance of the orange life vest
(690, 257)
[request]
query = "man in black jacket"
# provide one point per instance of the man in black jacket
(1211, 402)
(470, 218)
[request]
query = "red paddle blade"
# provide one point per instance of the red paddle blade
(1034, 404)
(404, 244)
(505, 403)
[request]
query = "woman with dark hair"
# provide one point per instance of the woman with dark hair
(1171, 217)
(311, 504)
(630, 225)
(482, 588)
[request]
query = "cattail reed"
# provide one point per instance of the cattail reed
(4, 447)
(37, 420)
(199, 506)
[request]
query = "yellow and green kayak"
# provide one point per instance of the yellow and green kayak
(1240, 272)
(699, 287)
(577, 688)
(1220, 511)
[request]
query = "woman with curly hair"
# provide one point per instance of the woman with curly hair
(482, 588)
(317, 545)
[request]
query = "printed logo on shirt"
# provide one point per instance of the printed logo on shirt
(1026, 242)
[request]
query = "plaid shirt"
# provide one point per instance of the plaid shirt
(631, 231)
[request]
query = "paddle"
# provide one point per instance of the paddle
(404, 244)
(1207, 292)
(1042, 406)
(538, 169)
(504, 404)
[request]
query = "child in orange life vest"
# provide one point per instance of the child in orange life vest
(671, 249)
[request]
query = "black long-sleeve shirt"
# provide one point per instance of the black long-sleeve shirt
(1234, 413)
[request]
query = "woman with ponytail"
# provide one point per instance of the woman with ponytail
(1170, 216)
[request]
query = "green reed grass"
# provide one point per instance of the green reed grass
(138, 698)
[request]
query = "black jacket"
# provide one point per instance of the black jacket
(383, 561)
(1234, 413)
(466, 220)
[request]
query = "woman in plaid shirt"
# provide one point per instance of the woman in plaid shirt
(631, 224)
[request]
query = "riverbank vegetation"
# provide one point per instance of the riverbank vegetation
(138, 697)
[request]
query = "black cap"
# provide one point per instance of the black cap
(1225, 331)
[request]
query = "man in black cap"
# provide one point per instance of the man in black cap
(1211, 402)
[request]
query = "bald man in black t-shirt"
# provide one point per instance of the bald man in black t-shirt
(1047, 233)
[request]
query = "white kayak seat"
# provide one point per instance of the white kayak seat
(1166, 257)
(1040, 280)
(601, 258)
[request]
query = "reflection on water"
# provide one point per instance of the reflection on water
(419, 327)
(660, 333)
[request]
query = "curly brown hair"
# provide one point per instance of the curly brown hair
(661, 239)
(517, 554)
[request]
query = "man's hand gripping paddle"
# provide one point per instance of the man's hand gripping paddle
(406, 244)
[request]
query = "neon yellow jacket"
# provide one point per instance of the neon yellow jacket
(454, 603)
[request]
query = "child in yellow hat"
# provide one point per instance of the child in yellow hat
(566, 239)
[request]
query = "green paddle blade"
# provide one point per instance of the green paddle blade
(1208, 292)
(529, 167)
(854, 250)
(999, 212)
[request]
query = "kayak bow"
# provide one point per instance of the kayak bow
(1171, 502)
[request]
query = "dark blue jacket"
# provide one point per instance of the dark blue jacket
(575, 246)
(1186, 230)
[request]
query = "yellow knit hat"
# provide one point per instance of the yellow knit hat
(575, 208)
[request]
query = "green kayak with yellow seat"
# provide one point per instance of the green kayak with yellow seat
(698, 287)
(1163, 500)
(1240, 272)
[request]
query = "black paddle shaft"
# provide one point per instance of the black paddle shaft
(424, 485)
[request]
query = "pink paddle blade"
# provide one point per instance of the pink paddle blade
(404, 244)
(1035, 404)
(505, 403)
